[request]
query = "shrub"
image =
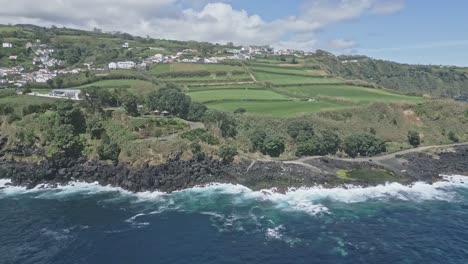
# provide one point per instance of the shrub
(196, 111)
(227, 153)
(108, 150)
(453, 137)
(414, 139)
(240, 111)
(267, 143)
(364, 145)
(296, 128)
(325, 143)
(66, 140)
(200, 135)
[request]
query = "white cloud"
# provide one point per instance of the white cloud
(342, 44)
(202, 20)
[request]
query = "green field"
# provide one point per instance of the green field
(280, 79)
(134, 86)
(278, 69)
(279, 108)
(188, 67)
(347, 92)
(20, 101)
(239, 95)
(8, 29)
(225, 87)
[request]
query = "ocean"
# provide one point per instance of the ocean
(220, 223)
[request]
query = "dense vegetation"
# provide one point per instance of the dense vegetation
(405, 78)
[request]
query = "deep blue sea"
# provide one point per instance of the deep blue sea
(86, 223)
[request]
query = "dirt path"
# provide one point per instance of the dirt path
(376, 159)
(193, 126)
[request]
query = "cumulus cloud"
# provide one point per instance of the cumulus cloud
(202, 20)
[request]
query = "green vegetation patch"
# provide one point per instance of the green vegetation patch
(348, 92)
(371, 176)
(228, 94)
(278, 108)
(281, 79)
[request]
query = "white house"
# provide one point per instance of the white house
(66, 93)
(7, 45)
(112, 66)
(125, 45)
(125, 65)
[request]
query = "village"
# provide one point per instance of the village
(49, 67)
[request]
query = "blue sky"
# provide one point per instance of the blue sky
(422, 32)
(411, 31)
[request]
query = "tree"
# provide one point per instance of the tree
(175, 102)
(131, 105)
(413, 138)
(297, 128)
(327, 142)
(268, 143)
(364, 145)
(196, 111)
(227, 153)
(66, 140)
(68, 114)
(108, 149)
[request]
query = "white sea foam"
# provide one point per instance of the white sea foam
(306, 200)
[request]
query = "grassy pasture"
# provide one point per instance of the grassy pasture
(278, 108)
(347, 92)
(283, 70)
(233, 94)
(280, 79)
(134, 86)
(188, 67)
(224, 87)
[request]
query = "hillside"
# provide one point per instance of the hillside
(414, 79)
(217, 100)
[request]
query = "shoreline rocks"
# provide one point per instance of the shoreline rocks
(180, 174)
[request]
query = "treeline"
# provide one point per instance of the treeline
(410, 79)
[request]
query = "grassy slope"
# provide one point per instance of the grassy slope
(280, 79)
(278, 109)
(134, 86)
(348, 92)
(230, 94)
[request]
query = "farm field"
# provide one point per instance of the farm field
(282, 79)
(278, 108)
(223, 78)
(134, 86)
(347, 92)
(224, 87)
(283, 70)
(188, 67)
(233, 95)
(25, 100)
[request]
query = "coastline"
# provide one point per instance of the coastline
(424, 165)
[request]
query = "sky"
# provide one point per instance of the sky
(409, 31)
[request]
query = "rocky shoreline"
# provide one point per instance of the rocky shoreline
(180, 174)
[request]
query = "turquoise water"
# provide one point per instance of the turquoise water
(86, 223)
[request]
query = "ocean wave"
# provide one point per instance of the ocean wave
(207, 198)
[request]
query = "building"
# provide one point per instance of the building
(125, 45)
(66, 93)
(126, 65)
(7, 45)
(112, 66)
